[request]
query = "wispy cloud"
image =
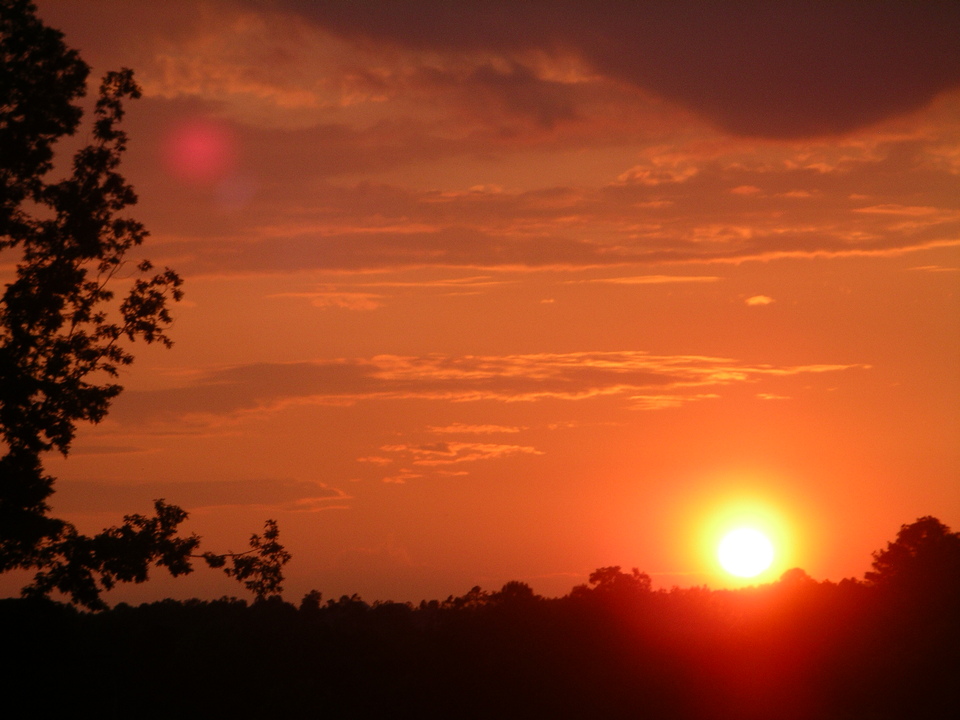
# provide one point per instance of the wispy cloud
(266, 494)
(908, 210)
(935, 268)
(338, 299)
(661, 402)
(402, 476)
(455, 453)
(572, 377)
(622, 223)
(464, 429)
(94, 449)
(652, 279)
(441, 458)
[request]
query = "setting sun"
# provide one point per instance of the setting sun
(745, 552)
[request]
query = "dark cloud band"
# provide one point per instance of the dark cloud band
(774, 69)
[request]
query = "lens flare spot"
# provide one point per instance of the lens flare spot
(200, 152)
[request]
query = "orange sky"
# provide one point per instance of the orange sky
(478, 294)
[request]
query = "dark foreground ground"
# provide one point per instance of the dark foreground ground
(615, 649)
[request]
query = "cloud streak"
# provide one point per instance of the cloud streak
(264, 494)
(641, 380)
(804, 208)
(455, 453)
(653, 279)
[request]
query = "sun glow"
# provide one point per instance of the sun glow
(745, 552)
(741, 535)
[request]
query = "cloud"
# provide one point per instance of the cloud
(660, 170)
(936, 268)
(376, 460)
(356, 294)
(907, 210)
(455, 453)
(442, 458)
(785, 69)
(84, 449)
(455, 284)
(627, 222)
(279, 495)
(463, 428)
(759, 300)
(514, 90)
(653, 279)
(401, 477)
(337, 299)
(642, 380)
(661, 402)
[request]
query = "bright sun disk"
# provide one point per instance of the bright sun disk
(745, 552)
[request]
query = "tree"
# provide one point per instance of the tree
(613, 587)
(81, 566)
(515, 593)
(260, 569)
(611, 580)
(64, 335)
(924, 558)
(311, 602)
(796, 578)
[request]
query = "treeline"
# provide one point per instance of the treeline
(887, 646)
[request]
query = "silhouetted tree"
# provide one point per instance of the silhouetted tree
(925, 558)
(515, 593)
(260, 569)
(792, 650)
(60, 346)
(81, 566)
(63, 333)
(311, 602)
(796, 578)
(611, 582)
(477, 597)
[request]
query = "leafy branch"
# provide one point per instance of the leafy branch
(260, 568)
(82, 567)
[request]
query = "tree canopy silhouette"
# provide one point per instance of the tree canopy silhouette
(64, 333)
(793, 649)
(925, 557)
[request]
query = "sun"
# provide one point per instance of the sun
(745, 552)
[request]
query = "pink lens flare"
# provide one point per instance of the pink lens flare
(200, 152)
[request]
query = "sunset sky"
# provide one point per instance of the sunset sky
(481, 291)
